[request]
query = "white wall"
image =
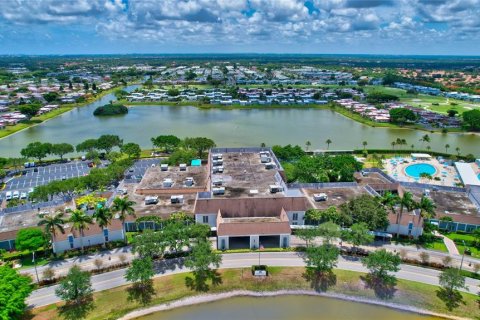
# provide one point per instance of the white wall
(212, 218)
(61, 246)
(415, 232)
(301, 218)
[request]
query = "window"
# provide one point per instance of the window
(295, 216)
(105, 234)
(70, 241)
(205, 219)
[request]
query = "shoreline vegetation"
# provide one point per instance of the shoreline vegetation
(9, 130)
(342, 111)
(171, 290)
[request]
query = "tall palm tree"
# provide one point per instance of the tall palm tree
(308, 144)
(328, 142)
(458, 151)
(124, 208)
(393, 145)
(103, 216)
(406, 202)
(364, 143)
(427, 208)
(80, 221)
(53, 223)
(446, 147)
(390, 201)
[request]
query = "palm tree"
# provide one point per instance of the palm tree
(412, 146)
(458, 151)
(328, 142)
(124, 208)
(424, 139)
(103, 216)
(428, 148)
(80, 221)
(406, 202)
(53, 223)
(364, 143)
(308, 144)
(446, 147)
(263, 145)
(393, 145)
(427, 208)
(390, 201)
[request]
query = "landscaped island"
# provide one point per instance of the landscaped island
(110, 110)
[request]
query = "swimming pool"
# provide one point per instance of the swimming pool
(415, 170)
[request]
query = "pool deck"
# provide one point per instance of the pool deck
(446, 174)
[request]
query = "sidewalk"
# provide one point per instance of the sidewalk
(451, 247)
(112, 257)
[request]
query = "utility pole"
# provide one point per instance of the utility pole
(35, 266)
(463, 255)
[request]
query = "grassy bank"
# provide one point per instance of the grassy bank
(54, 113)
(112, 304)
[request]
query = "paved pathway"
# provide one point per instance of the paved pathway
(451, 247)
(46, 295)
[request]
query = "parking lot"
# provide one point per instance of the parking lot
(43, 175)
(136, 172)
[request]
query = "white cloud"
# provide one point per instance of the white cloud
(234, 22)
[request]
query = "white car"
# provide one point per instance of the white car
(8, 195)
(16, 195)
(23, 195)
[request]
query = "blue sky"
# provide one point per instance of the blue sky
(238, 26)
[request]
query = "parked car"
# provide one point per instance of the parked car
(23, 195)
(16, 194)
(8, 195)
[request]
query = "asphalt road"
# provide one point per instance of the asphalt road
(45, 296)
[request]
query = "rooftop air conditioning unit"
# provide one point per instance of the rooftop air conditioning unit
(164, 167)
(217, 182)
(151, 200)
(218, 162)
(265, 159)
(217, 169)
(176, 199)
(183, 167)
(218, 191)
(167, 183)
(269, 165)
(189, 181)
(320, 197)
(217, 156)
(275, 188)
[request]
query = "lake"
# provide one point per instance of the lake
(228, 128)
(284, 308)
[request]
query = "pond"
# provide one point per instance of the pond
(228, 128)
(284, 308)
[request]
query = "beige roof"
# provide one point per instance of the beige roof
(251, 207)
(273, 224)
(93, 229)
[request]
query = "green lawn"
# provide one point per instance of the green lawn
(469, 241)
(114, 303)
(437, 245)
